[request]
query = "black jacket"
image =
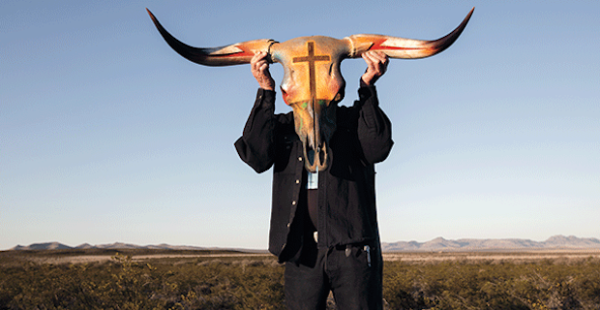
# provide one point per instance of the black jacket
(346, 203)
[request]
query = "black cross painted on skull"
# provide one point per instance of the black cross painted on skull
(311, 59)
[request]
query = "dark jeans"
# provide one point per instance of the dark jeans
(356, 280)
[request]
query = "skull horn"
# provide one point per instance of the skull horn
(234, 54)
(396, 47)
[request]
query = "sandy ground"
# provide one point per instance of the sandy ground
(559, 255)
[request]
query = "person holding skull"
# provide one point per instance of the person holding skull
(324, 222)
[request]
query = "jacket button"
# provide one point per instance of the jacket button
(289, 224)
(297, 181)
(294, 203)
(299, 158)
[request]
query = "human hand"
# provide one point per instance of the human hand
(260, 70)
(377, 63)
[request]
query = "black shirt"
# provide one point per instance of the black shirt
(346, 199)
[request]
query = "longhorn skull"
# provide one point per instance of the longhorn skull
(312, 83)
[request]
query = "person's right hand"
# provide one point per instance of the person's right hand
(377, 63)
(260, 70)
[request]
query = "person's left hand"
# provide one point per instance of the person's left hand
(377, 63)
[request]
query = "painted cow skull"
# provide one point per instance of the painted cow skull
(312, 83)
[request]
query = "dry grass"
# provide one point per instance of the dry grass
(233, 280)
(64, 257)
(86, 259)
(559, 256)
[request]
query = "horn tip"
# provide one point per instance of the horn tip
(150, 13)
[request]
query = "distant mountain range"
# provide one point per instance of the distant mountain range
(116, 245)
(435, 245)
(441, 244)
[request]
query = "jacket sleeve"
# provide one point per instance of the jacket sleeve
(255, 147)
(374, 127)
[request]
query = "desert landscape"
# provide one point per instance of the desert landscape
(143, 278)
(86, 257)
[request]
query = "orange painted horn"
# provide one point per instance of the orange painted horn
(396, 47)
(234, 54)
(312, 82)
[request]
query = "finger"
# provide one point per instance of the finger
(381, 61)
(380, 54)
(262, 62)
(377, 57)
(381, 57)
(369, 59)
(258, 56)
(263, 67)
(255, 58)
(258, 63)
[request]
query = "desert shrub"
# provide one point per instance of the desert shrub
(257, 283)
(485, 285)
(124, 284)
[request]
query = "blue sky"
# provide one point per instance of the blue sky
(106, 134)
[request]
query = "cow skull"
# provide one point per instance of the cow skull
(312, 83)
